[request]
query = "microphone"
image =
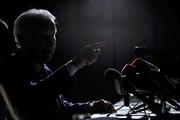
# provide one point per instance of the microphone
(144, 66)
(121, 82)
(112, 74)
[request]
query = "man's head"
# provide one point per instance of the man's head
(35, 34)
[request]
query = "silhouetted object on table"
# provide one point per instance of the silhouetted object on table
(145, 81)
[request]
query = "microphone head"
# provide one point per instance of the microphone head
(111, 74)
(114, 76)
(144, 66)
(121, 82)
(128, 70)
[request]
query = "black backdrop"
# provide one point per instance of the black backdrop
(122, 23)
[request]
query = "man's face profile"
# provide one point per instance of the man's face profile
(40, 40)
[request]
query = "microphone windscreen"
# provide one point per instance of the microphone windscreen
(143, 65)
(114, 76)
(128, 70)
(111, 74)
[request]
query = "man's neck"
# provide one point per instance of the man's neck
(37, 67)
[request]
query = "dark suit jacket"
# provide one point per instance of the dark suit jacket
(39, 96)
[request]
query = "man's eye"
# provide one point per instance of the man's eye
(47, 36)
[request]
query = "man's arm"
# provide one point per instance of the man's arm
(67, 109)
(63, 77)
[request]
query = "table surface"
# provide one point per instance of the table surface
(124, 112)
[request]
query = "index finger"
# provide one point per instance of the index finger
(97, 45)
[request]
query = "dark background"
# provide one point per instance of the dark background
(123, 24)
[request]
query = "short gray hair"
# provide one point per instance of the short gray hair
(30, 14)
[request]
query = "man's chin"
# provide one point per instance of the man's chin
(44, 60)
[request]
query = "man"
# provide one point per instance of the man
(36, 91)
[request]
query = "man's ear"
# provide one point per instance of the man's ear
(21, 40)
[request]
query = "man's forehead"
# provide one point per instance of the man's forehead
(35, 20)
(41, 27)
